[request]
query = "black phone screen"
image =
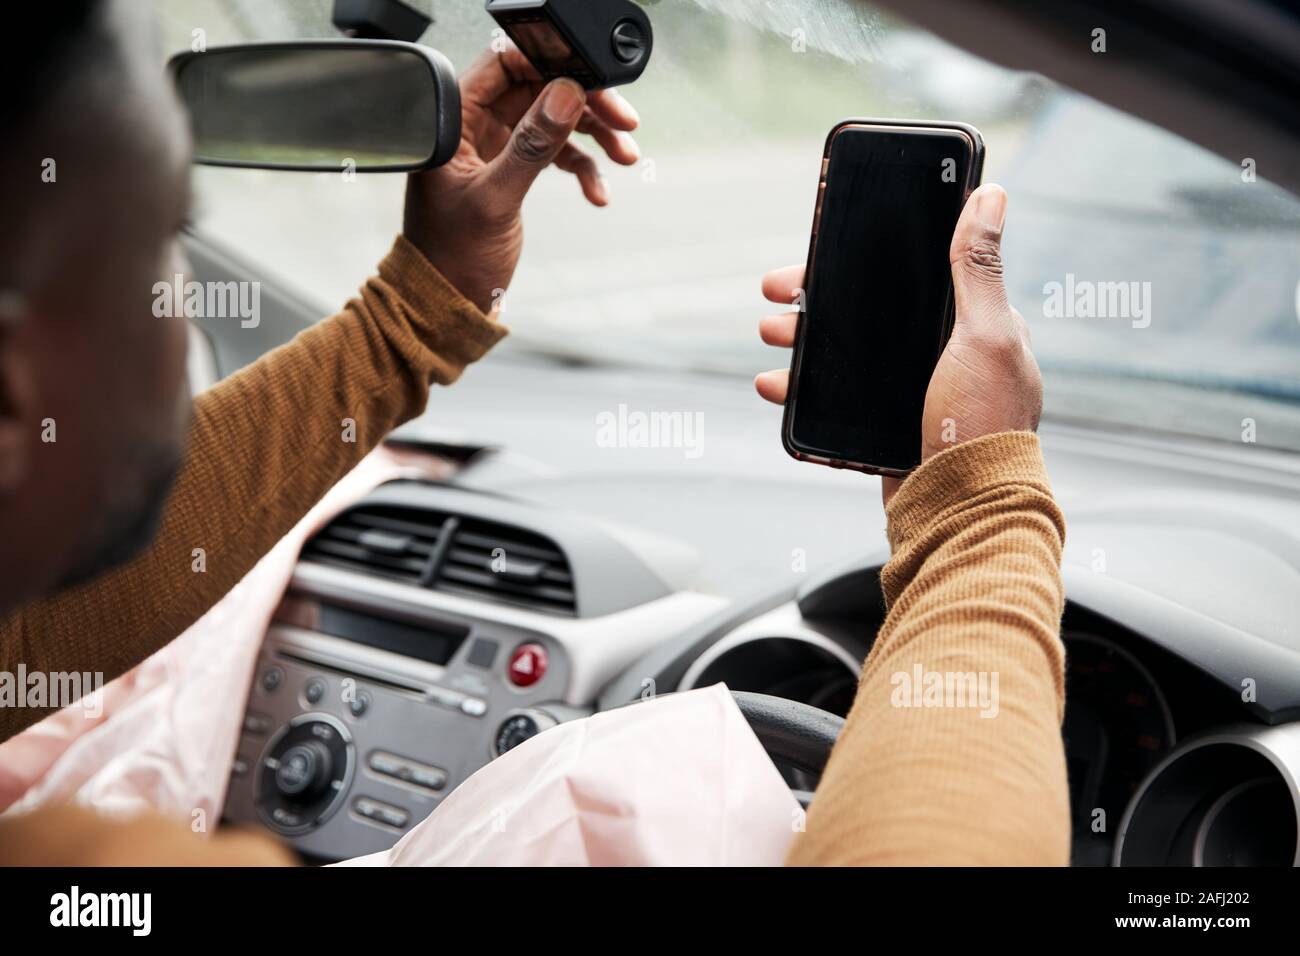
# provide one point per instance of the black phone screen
(878, 294)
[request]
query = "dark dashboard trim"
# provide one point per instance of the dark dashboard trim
(1222, 652)
(848, 591)
(1226, 654)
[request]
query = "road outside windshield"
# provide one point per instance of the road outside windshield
(1160, 282)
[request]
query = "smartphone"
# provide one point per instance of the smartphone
(877, 305)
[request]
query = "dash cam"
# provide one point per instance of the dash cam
(598, 43)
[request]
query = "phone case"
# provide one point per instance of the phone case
(975, 171)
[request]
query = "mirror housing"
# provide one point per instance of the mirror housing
(313, 105)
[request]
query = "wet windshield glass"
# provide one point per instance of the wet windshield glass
(1159, 281)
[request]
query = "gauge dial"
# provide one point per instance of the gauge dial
(1117, 727)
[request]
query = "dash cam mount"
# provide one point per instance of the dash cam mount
(380, 20)
(599, 43)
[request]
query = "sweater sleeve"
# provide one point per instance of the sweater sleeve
(264, 446)
(952, 752)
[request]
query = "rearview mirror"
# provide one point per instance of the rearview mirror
(371, 105)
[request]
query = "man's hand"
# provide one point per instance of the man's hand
(464, 216)
(986, 381)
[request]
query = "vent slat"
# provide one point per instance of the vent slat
(542, 577)
(477, 559)
(488, 543)
(364, 556)
(338, 549)
(353, 535)
(356, 540)
(368, 569)
(429, 530)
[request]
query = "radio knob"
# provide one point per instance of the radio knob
(520, 726)
(304, 771)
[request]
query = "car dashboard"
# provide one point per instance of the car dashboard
(431, 627)
(426, 630)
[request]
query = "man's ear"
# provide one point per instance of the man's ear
(16, 394)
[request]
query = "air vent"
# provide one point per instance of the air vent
(385, 541)
(488, 560)
(481, 559)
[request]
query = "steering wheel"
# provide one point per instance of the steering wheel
(796, 734)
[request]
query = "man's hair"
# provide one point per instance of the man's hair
(48, 45)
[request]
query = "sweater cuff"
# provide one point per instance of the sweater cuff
(961, 473)
(449, 324)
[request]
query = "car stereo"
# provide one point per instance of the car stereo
(360, 720)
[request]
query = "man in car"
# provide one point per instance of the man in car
(95, 420)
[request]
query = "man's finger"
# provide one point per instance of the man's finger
(574, 159)
(976, 258)
(492, 74)
(618, 145)
(509, 108)
(536, 140)
(779, 330)
(773, 385)
(611, 107)
(782, 285)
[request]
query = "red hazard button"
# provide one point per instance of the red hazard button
(527, 665)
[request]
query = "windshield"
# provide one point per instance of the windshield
(1159, 281)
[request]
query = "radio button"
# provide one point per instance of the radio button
(386, 764)
(429, 778)
(256, 723)
(384, 813)
(483, 652)
(444, 697)
(314, 692)
(359, 705)
(407, 771)
(287, 818)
